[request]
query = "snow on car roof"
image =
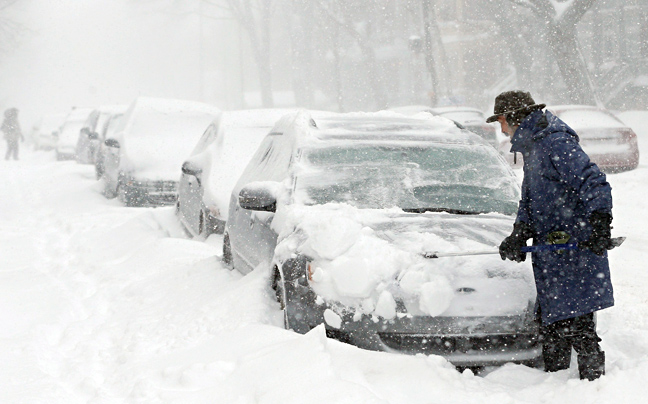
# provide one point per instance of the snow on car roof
(78, 114)
(157, 134)
(586, 117)
(382, 126)
(52, 122)
(113, 109)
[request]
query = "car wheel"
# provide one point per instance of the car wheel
(227, 251)
(279, 288)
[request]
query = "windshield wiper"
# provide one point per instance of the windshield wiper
(447, 210)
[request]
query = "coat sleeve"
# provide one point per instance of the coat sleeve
(576, 170)
(523, 208)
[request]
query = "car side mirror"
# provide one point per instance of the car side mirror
(112, 143)
(190, 168)
(259, 196)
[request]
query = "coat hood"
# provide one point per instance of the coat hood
(537, 126)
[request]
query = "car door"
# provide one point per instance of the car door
(191, 188)
(190, 195)
(251, 236)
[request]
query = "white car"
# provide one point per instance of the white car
(69, 134)
(340, 210)
(46, 136)
(90, 134)
(210, 172)
(150, 142)
(609, 143)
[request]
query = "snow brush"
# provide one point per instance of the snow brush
(614, 242)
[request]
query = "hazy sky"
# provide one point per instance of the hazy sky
(94, 52)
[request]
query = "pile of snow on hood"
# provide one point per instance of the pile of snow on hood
(361, 268)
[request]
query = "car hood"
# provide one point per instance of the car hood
(156, 158)
(371, 262)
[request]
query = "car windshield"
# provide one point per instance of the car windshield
(453, 178)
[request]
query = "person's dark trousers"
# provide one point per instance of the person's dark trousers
(12, 148)
(580, 333)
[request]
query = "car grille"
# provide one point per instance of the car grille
(443, 344)
(158, 192)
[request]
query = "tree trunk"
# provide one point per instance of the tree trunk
(566, 49)
(427, 51)
(571, 64)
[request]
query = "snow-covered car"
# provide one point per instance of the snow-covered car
(341, 209)
(90, 134)
(150, 142)
(46, 136)
(609, 143)
(471, 118)
(69, 134)
(217, 161)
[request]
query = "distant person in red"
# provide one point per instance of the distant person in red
(12, 133)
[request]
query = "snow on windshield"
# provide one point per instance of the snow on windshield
(411, 177)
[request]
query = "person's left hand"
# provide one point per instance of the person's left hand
(600, 240)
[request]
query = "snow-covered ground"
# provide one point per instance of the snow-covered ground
(105, 304)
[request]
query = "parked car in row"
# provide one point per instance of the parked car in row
(69, 134)
(150, 143)
(609, 143)
(108, 132)
(470, 118)
(47, 132)
(213, 167)
(344, 206)
(93, 128)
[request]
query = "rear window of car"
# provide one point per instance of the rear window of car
(589, 119)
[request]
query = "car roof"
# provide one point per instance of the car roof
(456, 108)
(78, 114)
(383, 126)
(590, 117)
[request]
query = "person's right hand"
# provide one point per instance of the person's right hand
(511, 247)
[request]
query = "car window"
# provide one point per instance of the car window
(112, 124)
(467, 178)
(207, 138)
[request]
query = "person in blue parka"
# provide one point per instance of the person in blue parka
(565, 198)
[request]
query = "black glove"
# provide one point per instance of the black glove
(511, 247)
(600, 240)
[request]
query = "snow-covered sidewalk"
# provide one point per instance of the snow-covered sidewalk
(105, 304)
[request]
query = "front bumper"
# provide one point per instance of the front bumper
(148, 193)
(463, 341)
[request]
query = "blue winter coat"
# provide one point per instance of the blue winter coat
(560, 190)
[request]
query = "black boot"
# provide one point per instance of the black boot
(556, 356)
(556, 350)
(591, 366)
